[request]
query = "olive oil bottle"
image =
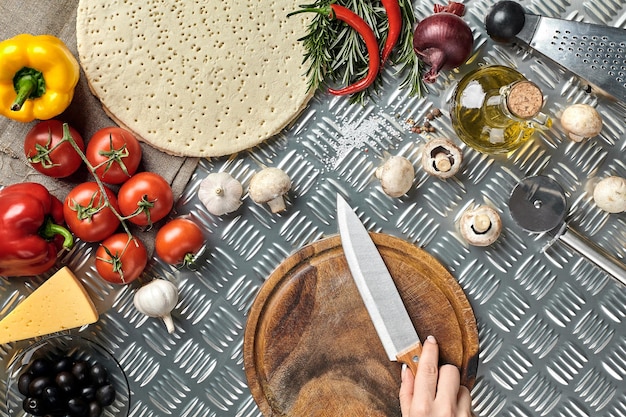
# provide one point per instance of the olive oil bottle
(495, 109)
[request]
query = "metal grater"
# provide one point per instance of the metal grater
(595, 53)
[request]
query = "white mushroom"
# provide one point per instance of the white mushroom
(581, 121)
(441, 158)
(480, 226)
(610, 194)
(396, 176)
(220, 193)
(269, 186)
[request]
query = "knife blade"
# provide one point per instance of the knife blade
(377, 289)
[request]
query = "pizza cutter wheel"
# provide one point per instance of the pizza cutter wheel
(538, 204)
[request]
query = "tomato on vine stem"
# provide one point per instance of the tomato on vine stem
(179, 241)
(88, 214)
(48, 153)
(115, 153)
(145, 198)
(121, 258)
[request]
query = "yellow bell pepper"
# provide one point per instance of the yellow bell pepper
(38, 75)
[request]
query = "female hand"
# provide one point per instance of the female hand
(434, 391)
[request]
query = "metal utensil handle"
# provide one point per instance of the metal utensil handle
(595, 254)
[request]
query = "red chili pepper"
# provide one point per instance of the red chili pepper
(336, 11)
(394, 17)
(30, 230)
(357, 23)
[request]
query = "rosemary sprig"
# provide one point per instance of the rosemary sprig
(337, 55)
(412, 66)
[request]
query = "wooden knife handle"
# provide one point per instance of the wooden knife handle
(411, 356)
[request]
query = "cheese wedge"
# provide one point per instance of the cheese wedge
(60, 303)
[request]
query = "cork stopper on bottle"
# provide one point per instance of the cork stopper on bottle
(525, 100)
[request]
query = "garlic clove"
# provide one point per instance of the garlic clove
(220, 193)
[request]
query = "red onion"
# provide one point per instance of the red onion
(443, 41)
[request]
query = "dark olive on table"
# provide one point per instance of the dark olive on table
(99, 374)
(77, 407)
(64, 364)
(33, 406)
(67, 382)
(23, 382)
(65, 387)
(505, 20)
(38, 384)
(105, 395)
(40, 366)
(53, 396)
(88, 392)
(95, 409)
(81, 371)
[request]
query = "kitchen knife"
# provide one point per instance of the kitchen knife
(379, 292)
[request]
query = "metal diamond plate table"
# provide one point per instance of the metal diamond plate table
(552, 326)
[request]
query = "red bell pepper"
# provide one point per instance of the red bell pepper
(30, 230)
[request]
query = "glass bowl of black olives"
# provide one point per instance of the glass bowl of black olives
(66, 376)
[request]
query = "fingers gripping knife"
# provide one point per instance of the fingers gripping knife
(378, 290)
(595, 53)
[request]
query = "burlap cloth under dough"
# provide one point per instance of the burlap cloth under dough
(58, 17)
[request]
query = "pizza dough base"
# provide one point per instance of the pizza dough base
(195, 78)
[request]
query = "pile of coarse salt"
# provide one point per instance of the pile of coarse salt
(356, 135)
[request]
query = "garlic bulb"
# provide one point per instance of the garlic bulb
(157, 299)
(220, 193)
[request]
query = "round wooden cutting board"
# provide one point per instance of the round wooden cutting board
(310, 348)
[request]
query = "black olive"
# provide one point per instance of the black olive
(64, 364)
(37, 385)
(95, 409)
(53, 396)
(105, 395)
(34, 406)
(67, 382)
(81, 371)
(505, 20)
(99, 374)
(40, 366)
(88, 392)
(77, 407)
(23, 382)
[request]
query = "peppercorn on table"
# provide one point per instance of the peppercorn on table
(552, 325)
